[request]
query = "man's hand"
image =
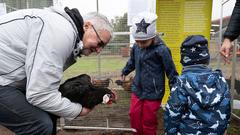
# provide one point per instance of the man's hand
(84, 111)
(226, 50)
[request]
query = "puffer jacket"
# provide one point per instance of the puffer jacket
(150, 65)
(199, 103)
(233, 30)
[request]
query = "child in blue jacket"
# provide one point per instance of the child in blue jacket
(199, 103)
(151, 59)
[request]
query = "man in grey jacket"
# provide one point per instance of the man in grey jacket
(36, 46)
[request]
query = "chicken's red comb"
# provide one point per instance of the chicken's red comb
(113, 97)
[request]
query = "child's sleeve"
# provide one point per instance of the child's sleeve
(130, 66)
(169, 65)
(227, 98)
(174, 109)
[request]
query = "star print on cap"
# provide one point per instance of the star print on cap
(194, 50)
(144, 26)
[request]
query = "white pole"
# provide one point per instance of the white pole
(99, 55)
(97, 6)
(220, 31)
(107, 123)
(99, 128)
(27, 4)
(62, 123)
(234, 60)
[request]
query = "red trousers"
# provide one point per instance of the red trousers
(143, 115)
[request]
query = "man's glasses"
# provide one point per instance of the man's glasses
(101, 43)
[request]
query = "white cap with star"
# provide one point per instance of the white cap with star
(144, 26)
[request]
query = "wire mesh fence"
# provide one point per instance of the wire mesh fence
(109, 63)
(13, 5)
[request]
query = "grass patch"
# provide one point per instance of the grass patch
(89, 65)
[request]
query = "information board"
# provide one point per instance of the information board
(178, 19)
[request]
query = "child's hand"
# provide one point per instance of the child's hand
(123, 77)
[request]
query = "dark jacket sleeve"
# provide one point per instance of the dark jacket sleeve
(233, 29)
(169, 65)
(174, 109)
(130, 66)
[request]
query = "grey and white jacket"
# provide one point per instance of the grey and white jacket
(36, 45)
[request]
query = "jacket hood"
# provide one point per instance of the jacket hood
(203, 85)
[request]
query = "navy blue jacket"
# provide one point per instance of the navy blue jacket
(199, 103)
(150, 65)
(233, 29)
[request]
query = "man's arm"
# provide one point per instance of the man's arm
(233, 29)
(232, 32)
(48, 48)
(130, 66)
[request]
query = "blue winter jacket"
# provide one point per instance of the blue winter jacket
(150, 65)
(199, 103)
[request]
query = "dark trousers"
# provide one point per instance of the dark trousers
(21, 117)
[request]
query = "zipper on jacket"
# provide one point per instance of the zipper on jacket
(155, 87)
(142, 51)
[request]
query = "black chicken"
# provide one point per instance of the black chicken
(80, 89)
